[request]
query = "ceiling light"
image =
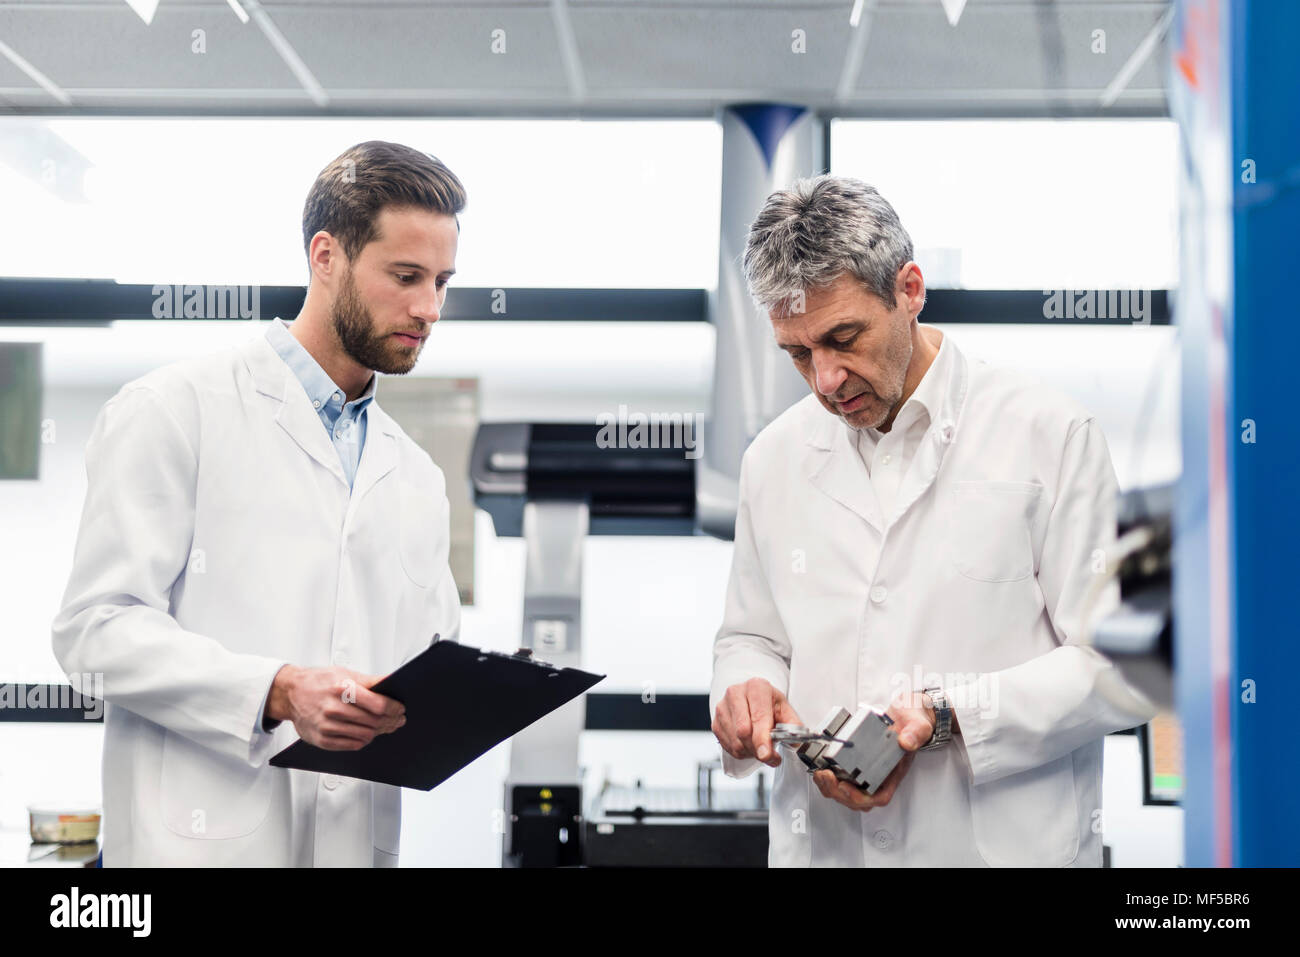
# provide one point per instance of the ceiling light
(953, 9)
(144, 8)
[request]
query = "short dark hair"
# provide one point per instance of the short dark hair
(350, 192)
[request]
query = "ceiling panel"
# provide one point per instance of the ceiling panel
(627, 57)
(709, 48)
(11, 76)
(913, 47)
(435, 47)
(107, 46)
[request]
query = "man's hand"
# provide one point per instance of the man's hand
(853, 797)
(914, 720)
(333, 708)
(744, 719)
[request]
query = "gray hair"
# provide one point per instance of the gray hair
(807, 236)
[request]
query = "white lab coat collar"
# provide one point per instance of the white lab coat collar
(295, 415)
(835, 468)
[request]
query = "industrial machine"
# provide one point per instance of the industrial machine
(671, 827)
(1138, 636)
(553, 485)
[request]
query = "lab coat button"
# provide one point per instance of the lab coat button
(331, 781)
(885, 460)
(341, 659)
(878, 594)
(883, 838)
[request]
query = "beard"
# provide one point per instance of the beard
(355, 328)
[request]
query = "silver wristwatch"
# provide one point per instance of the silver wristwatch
(942, 719)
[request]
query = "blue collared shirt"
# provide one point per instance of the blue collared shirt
(344, 421)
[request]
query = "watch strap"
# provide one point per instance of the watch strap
(942, 720)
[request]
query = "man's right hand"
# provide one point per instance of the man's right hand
(744, 719)
(333, 708)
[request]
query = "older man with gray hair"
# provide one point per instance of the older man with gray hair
(923, 534)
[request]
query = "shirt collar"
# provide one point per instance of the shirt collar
(320, 388)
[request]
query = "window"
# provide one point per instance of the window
(556, 203)
(1026, 204)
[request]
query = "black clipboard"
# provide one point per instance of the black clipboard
(460, 703)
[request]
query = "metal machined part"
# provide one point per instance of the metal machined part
(860, 747)
(875, 753)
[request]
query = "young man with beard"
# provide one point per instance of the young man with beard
(261, 542)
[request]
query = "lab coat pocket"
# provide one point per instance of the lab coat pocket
(421, 526)
(991, 521)
(387, 817)
(209, 795)
(1030, 819)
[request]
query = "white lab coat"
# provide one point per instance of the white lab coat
(218, 542)
(976, 579)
